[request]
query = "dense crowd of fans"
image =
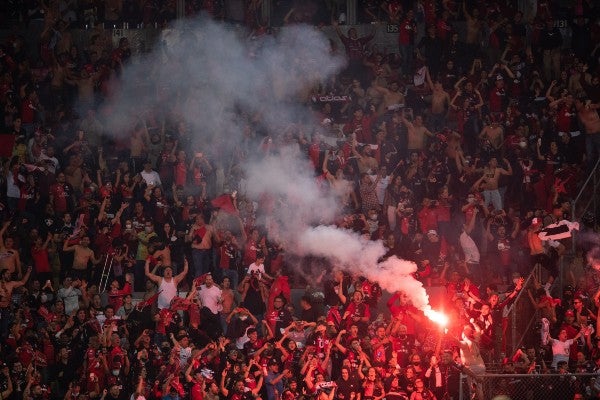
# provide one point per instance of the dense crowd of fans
(455, 152)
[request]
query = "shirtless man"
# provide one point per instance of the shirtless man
(474, 26)
(491, 175)
(9, 257)
(392, 97)
(493, 136)
(588, 115)
(440, 101)
(58, 73)
(417, 133)
(83, 255)
(164, 256)
(364, 159)
(201, 235)
(167, 284)
(138, 144)
(85, 87)
(6, 288)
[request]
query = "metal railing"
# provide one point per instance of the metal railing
(521, 315)
(531, 386)
(587, 198)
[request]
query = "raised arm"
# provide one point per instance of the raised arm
(154, 278)
(23, 281)
(182, 274)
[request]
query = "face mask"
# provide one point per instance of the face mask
(416, 362)
(43, 298)
(128, 226)
(116, 372)
(148, 229)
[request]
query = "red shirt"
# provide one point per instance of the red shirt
(496, 98)
(180, 174)
(407, 31)
(27, 112)
(564, 119)
(40, 260)
(196, 392)
(428, 218)
(60, 193)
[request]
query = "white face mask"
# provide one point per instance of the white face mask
(116, 372)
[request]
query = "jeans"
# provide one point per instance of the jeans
(493, 196)
(202, 261)
(551, 61)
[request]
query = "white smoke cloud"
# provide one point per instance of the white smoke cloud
(205, 72)
(215, 81)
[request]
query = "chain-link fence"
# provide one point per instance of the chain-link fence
(531, 387)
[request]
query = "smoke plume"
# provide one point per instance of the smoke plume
(216, 80)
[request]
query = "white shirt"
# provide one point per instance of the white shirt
(211, 297)
(167, 290)
(256, 268)
(151, 178)
(380, 188)
(470, 249)
(560, 351)
(184, 355)
(70, 298)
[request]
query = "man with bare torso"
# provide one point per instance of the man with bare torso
(9, 256)
(474, 26)
(83, 256)
(393, 98)
(417, 133)
(440, 101)
(588, 115)
(491, 173)
(492, 136)
(6, 288)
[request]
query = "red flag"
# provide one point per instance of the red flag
(179, 303)
(224, 203)
(200, 280)
(151, 300)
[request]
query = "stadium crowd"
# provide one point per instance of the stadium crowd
(455, 152)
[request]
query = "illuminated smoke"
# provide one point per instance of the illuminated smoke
(215, 80)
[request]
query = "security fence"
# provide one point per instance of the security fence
(530, 387)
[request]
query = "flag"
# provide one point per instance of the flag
(224, 203)
(148, 302)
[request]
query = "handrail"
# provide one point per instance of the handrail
(592, 177)
(511, 312)
(587, 181)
